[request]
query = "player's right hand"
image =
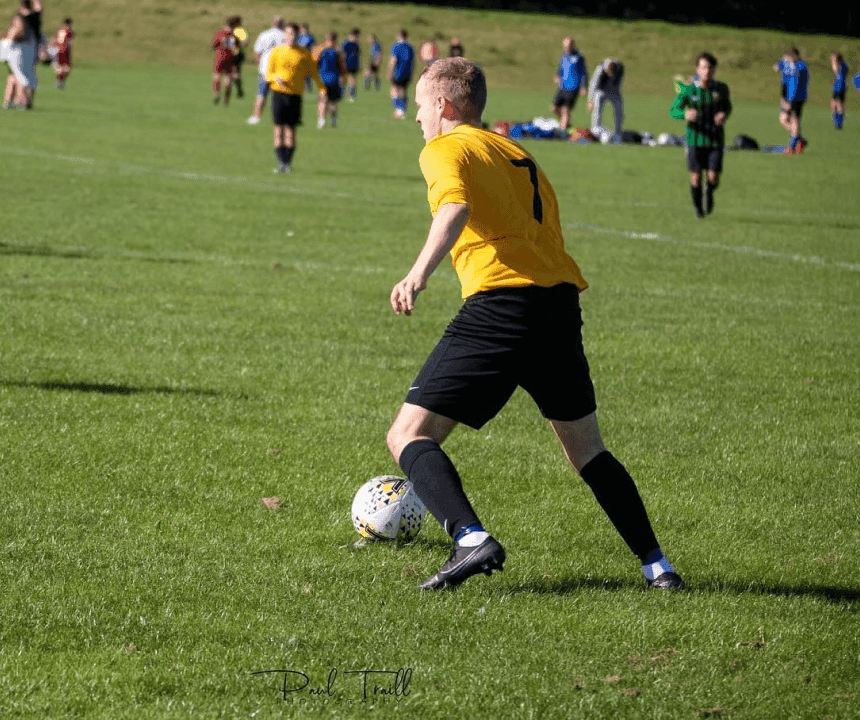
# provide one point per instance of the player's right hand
(403, 296)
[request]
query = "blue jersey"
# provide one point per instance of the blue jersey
(572, 72)
(352, 55)
(840, 82)
(798, 82)
(329, 66)
(375, 53)
(857, 82)
(306, 40)
(404, 57)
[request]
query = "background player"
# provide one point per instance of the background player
(63, 61)
(266, 41)
(331, 70)
(352, 61)
(224, 45)
(400, 65)
(797, 87)
(605, 87)
(519, 326)
(705, 105)
(840, 87)
(572, 80)
(375, 60)
(289, 65)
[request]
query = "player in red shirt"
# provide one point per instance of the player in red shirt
(224, 45)
(63, 60)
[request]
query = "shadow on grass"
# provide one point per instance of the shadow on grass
(566, 586)
(110, 388)
(831, 593)
(41, 251)
(46, 251)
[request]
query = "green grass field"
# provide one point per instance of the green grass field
(186, 334)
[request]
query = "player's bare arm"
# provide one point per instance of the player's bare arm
(444, 231)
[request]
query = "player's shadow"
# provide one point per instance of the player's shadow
(569, 586)
(109, 388)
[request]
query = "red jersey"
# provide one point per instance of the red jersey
(64, 45)
(224, 44)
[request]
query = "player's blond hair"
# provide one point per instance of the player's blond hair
(461, 82)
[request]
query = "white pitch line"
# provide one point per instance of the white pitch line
(739, 249)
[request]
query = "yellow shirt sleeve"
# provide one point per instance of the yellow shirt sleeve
(444, 172)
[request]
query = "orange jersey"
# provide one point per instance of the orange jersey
(513, 237)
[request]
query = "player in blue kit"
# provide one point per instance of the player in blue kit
(331, 68)
(352, 60)
(372, 71)
(400, 65)
(572, 80)
(840, 87)
(796, 91)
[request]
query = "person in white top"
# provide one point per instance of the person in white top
(605, 87)
(267, 41)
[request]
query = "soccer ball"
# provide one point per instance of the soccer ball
(387, 508)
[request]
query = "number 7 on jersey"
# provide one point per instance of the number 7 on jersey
(537, 203)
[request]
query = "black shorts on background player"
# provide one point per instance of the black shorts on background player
(286, 109)
(565, 98)
(700, 159)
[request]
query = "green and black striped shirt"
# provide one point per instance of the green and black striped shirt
(703, 131)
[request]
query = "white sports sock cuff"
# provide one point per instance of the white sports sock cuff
(655, 570)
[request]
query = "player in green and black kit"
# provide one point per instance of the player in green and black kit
(705, 105)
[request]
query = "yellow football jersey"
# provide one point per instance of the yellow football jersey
(292, 65)
(513, 237)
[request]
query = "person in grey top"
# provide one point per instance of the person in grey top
(605, 87)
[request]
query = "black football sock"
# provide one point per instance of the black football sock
(438, 484)
(290, 151)
(281, 153)
(696, 192)
(617, 494)
(709, 197)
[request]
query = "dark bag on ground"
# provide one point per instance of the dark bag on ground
(744, 142)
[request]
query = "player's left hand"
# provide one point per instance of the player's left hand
(720, 118)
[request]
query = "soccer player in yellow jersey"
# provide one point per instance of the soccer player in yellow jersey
(289, 65)
(496, 213)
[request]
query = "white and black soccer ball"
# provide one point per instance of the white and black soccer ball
(387, 508)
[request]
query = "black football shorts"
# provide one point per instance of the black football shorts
(529, 337)
(286, 109)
